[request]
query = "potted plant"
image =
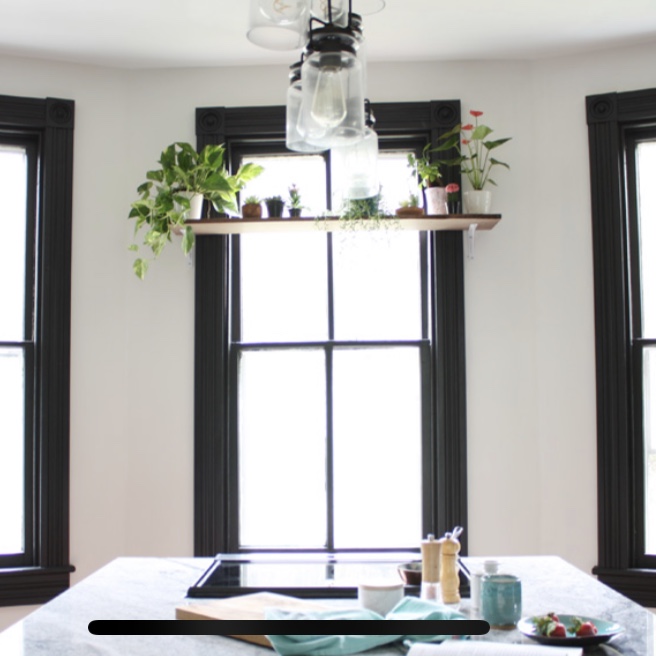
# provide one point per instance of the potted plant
(164, 199)
(410, 207)
(252, 208)
(275, 206)
(430, 175)
(476, 162)
(295, 205)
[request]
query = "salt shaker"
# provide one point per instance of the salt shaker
(490, 567)
(430, 567)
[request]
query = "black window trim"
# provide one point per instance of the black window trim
(611, 117)
(217, 125)
(52, 119)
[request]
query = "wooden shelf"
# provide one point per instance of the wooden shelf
(458, 222)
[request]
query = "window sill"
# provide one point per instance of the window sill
(23, 586)
(637, 584)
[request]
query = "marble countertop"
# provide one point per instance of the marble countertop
(151, 588)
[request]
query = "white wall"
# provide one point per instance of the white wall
(530, 351)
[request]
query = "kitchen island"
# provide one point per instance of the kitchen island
(152, 588)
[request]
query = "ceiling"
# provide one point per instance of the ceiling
(187, 33)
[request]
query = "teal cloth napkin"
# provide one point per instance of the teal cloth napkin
(409, 608)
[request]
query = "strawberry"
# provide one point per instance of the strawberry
(550, 625)
(583, 629)
(558, 630)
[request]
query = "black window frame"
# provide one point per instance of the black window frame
(447, 459)
(46, 572)
(613, 121)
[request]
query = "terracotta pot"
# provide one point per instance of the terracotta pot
(251, 211)
(410, 211)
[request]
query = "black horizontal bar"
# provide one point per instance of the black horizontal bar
(333, 343)
(287, 627)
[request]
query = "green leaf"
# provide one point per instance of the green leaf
(480, 132)
(133, 247)
(495, 144)
(140, 267)
(218, 182)
(187, 240)
(156, 176)
(167, 158)
(496, 162)
(453, 132)
(249, 171)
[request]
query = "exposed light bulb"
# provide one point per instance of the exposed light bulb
(329, 102)
(337, 11)
(283, 11)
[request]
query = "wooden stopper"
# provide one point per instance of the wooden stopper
(430, 560)
(449, 570)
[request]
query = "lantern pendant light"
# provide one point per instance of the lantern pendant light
(278, 24)
(295, 132)
(357, 164)
(326, 95)
(333, 85)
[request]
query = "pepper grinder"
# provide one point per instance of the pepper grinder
(449, 579)
(430, 567)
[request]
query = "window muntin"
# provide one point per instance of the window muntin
(353, 303)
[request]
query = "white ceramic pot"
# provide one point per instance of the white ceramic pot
(436, 200)
(196, 201)
(478, 201)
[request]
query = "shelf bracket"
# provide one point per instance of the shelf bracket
(471, 236)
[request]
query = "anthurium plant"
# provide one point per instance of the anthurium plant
(476, 162)
(164, 201)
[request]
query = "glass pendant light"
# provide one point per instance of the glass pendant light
(283, 12)
(358, 164)
(333, 95)
(295, 136)
(278, 25)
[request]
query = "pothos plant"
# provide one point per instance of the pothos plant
(430, 171)
(164, 198)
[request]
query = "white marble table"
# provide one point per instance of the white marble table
(151, 588)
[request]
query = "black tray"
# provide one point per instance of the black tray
(305, 575)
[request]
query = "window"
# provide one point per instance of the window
(330, 349)
(641, 171)
(18, 162)
(328, 352)
(35, 188)
(623, 165)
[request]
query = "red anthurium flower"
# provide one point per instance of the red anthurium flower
(469, 126)
(475, 113)
(452, 188)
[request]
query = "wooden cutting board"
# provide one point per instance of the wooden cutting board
(244, 607)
